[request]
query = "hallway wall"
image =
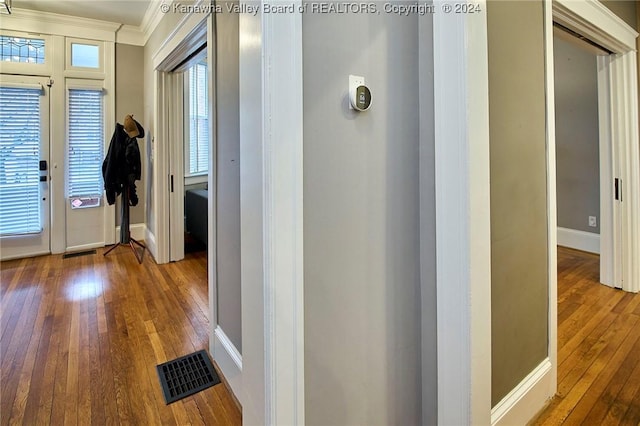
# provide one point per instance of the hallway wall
(361, 222)
(519, 252)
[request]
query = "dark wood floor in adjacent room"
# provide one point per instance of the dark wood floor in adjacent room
(598, 348)
(81, 337)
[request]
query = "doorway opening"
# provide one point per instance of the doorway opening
(618, 122)
(583, 150)
(189, 159)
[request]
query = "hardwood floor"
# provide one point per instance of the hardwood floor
(80, 339)
(598, 348)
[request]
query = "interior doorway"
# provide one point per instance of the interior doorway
(183, 115)
(594, 22)
(189, 160)
(583, 150)
(618, 120)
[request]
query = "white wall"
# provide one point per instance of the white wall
(250, 82)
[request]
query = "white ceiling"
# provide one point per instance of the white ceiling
(130, 12)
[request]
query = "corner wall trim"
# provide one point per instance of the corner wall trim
(229, 360)
(150, 242)
(526, 399)
(580, 240)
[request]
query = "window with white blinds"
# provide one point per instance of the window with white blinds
(19, 161)
(198, 155)
(86, 139)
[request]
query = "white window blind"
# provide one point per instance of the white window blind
(86, 139)
(19, 161)
(198, 121)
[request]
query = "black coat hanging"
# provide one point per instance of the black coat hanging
(120, 169)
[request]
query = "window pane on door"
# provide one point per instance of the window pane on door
(85, 143)
(19, 161)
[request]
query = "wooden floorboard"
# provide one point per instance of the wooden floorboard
(80, 339)
(598, 348)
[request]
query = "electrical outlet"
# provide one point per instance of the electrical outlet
(593, 222)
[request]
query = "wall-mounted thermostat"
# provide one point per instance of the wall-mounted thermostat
(359, 94)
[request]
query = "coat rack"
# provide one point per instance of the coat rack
(125, 233)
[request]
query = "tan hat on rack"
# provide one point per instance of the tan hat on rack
(130, 126)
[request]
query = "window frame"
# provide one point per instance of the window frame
(202, 177)
(25, 68)
(84, 84)
(69, 41)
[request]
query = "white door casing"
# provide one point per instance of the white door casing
(176, 166)
(463, 226)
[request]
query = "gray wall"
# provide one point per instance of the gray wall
(518, 192)
(361, 222)
(577, 139)
(228, 176)
(130, 100)
(428, 225)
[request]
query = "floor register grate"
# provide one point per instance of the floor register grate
(78, 253)
(186, 375)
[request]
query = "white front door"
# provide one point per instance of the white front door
(24, 167)
(85, 149)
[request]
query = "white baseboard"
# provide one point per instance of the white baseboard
(526, 399)
(137, 230)
(579, 240)
(229, 360)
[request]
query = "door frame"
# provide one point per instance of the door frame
(176, 165)
(271, 200)
(463, 219)
(608, 249)
(189, 34)
(593, 20)
(617, 77)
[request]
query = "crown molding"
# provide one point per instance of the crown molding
(57, 24)
(95, 29)
(139, 35)
(129, 34)
(152, 18)
(33, 21)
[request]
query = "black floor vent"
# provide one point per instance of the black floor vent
(186, 375)
(78, 253)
